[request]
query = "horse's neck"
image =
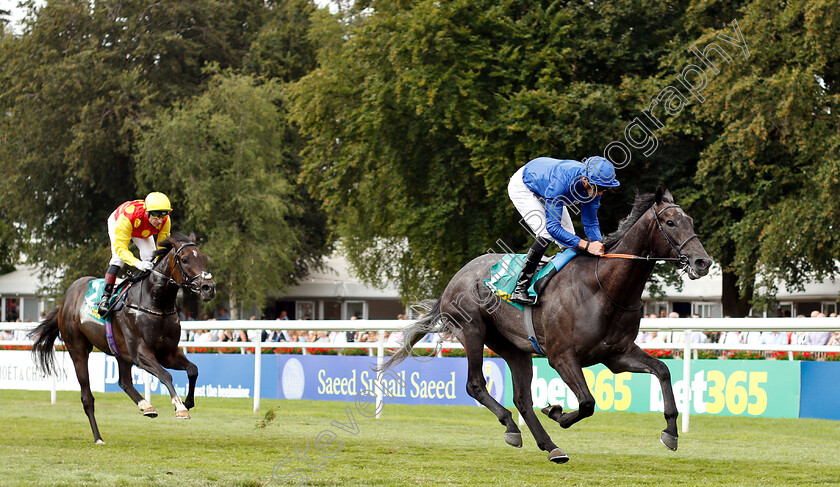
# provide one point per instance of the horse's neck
(160, 290)
(637, 239)
(632, 274)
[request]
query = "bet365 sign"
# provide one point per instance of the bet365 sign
(768, 388)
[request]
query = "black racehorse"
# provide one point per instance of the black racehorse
(590, 314)
(146, 330)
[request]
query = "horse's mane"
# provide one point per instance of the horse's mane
(171, 242)
(642, 203)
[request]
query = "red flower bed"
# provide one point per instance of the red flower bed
(660, 354)
(323, 351)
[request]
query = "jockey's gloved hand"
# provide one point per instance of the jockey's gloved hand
(144, 265)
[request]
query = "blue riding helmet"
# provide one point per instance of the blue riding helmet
(601, 172)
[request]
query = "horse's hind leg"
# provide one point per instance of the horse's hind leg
(149, 363)
(521, 373)
(177, 360)
(637, 360)
(127, 385)
(79, 353)
(477, 388)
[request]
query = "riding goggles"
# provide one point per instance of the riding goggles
(158, 214)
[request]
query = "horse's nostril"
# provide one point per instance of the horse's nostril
(701, 263)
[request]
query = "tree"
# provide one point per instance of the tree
(283, 49)
(766, 177)
(74, 88)
(419, 120)
(224, 160)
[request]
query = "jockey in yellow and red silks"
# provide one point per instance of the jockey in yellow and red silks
(145, 222)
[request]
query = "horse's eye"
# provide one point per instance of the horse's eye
(670, 223)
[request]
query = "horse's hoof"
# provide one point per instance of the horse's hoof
(514, 439)
(670, 441)
(99, 442)
(150, 412)
(552, 411)
(182, 414)
(558, 456)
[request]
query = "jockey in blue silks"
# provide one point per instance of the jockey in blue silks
(541, 191)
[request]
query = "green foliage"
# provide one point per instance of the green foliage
(766, 180)
(355, 351)
(416, 124)
(281, 50)
(84, 81)
(744, 355)
(230, 172)
(706, 354)
(9, 243)
(412, 117)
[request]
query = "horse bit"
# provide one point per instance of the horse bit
(682, 259)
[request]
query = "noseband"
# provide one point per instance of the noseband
(190, 283)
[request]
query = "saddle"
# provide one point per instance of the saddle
(505, 272)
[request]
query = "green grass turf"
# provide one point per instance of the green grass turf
(44, 444)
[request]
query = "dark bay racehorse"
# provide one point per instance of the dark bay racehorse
(590, 314)
(146, 331)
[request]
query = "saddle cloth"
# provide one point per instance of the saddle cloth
(505, 272)
(94, 295)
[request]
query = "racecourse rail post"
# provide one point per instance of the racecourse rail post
(147, 389)
(257, 370)
(53, 393)
(380, 357)
(686, 379)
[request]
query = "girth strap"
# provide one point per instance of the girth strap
(529, 329)
(152, 312)
(109, 333)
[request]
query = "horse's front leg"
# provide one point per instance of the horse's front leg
(149, 363)
(178, 361)
(567, 365)
(634, 359)
(127, 385)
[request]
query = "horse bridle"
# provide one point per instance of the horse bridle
(190, 283)
(676, 248)
(682, 259)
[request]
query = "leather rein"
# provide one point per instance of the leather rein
(190, 283)
(676, 248)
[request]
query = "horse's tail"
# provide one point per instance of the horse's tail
(45, 335)
(429, 323)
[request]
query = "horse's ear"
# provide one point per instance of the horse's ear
(192, 237)
(668, 196)
(659, 194)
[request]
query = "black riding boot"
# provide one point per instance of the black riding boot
(520, 294)
(110, 280)
(106, 296)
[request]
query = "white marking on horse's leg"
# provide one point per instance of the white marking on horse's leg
(181, 411)
(179, 405)
(143, 404)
